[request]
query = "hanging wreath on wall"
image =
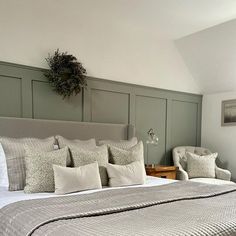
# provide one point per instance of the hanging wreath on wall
(66, 75)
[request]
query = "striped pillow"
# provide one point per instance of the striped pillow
(14, 149)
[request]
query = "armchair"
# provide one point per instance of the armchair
(179, 157)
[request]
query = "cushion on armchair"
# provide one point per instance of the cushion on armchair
(201, 166)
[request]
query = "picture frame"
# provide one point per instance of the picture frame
(228, 112)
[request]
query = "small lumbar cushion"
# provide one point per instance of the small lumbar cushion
(123, 175)
(69, 180)
(201, 166)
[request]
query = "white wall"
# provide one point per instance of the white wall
(100, 33)
(214, 136)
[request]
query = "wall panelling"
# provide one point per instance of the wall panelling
(175, 116)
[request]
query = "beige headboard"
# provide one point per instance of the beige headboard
(21, 127)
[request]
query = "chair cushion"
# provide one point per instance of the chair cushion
(182, 153)
(201, 166)
(211, 181)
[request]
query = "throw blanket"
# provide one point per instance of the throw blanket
(181, 208)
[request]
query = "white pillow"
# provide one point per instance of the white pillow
(124, 175)
(3, 169)
(69, 180)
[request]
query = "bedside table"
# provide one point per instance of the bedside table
(168, 172)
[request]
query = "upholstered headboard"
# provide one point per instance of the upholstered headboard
(21, 127)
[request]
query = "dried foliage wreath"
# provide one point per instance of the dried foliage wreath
(66, 75)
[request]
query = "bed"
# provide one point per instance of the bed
(160, 207)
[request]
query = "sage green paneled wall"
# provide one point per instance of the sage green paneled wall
(175, 116)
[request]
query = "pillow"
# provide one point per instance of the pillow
(81, 157)
(75, 143)
(3, 169)
(123, 175)
(69, 180)
(39, 169)
(123, 157)
(124, 144)
(201, 166)
(15, 153)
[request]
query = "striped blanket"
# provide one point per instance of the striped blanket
(181, 208)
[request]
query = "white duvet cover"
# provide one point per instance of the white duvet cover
(7, 197)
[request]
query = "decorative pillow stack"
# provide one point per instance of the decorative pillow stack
(201, 166)
(127, 166)
(35, 166)
(15, 155)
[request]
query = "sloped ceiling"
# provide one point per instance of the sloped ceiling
(211, 57)
(124, 40)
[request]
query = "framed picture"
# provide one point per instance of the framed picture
(228, 113)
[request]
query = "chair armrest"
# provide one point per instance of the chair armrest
(222, 174)
(182, 174)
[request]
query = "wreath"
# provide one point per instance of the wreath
(66, 75)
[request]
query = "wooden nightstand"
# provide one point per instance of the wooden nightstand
(168, 172)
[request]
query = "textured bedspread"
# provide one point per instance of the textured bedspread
(181, 208)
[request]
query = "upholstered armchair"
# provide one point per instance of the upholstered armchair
(180, 160)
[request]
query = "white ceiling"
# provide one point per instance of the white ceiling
(177, 18)
(211, 57)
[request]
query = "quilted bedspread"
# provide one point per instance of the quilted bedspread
(181, 208)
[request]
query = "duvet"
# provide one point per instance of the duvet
(180, 208)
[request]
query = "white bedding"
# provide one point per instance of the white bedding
(7, 197)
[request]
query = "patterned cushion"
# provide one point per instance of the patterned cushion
(124, 144)
(81, 157)
(15, 153)
(39, 169)
(69, 180)
(124, 175)
(123, 157)
(75, 143)
(201, 166)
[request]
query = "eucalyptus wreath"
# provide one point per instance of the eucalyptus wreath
(66, 75)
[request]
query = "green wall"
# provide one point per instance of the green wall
(175, 116)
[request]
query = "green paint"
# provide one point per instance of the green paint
(175, 116)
